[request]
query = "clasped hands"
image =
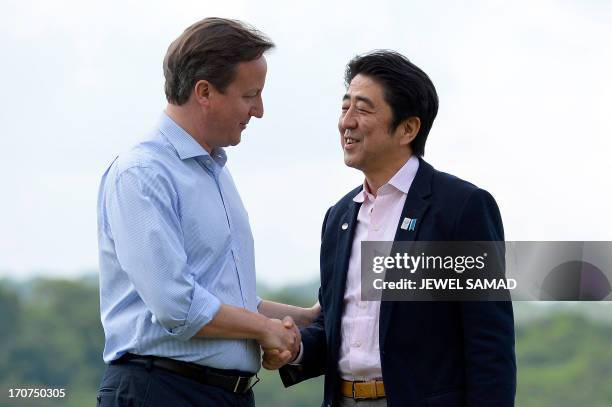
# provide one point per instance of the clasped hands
(281, 343)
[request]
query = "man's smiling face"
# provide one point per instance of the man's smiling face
(364, 126)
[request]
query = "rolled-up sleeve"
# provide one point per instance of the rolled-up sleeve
(143, 217)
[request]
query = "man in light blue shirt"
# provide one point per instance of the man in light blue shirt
(177, 271)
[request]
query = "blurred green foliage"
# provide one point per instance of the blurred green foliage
(51, 337)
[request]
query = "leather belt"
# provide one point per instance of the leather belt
(225, 379)
(373, 389)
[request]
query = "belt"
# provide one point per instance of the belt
(373, 389)
(225, 379)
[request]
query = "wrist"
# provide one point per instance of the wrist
(310, 314)
(263, 328)
(298, 357)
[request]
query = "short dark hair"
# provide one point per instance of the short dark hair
(406, 88)
(210, 50)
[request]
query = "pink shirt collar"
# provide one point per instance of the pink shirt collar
(401, 181)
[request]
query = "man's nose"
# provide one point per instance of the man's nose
(258, 109)
(348, 120)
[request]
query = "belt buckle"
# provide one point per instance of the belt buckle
(238, 383)
(248, 379)
(373, 391)
(355, 397)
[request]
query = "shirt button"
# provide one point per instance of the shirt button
(344, 226)
(357, 344)
(376, 228)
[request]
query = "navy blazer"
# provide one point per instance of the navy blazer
(432, 353)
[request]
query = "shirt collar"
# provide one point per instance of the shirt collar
(184, 144)
(401, 181)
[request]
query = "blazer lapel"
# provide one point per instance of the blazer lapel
(415, 208)
(416, 205)
(346, 232)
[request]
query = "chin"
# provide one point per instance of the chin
(350, 162)
(236, 141)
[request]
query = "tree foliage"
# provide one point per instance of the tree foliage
(52, 338)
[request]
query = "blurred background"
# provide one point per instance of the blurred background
(52, 338)
(525, 113)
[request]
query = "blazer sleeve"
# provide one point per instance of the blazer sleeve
(314, 345)
(313, 356)
(488, 327)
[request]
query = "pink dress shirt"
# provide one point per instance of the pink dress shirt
(377, 220)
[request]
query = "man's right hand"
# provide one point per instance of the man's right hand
(279, 335)
(280, 342)
(274, 360)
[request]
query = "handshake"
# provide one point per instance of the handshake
(280, 343)
(281, 339)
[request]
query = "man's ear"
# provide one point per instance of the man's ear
(408, 130)
(202, 91)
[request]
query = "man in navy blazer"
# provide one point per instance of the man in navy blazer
(424, 353)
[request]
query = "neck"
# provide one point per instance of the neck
(188, 121)
(379, 177)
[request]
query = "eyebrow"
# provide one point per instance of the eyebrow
(363, 99)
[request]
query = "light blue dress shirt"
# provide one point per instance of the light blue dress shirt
(174, 243)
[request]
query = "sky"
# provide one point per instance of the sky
(525, 113)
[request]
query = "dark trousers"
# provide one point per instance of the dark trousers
(136, 386)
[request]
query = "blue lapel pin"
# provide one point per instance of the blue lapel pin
(409, 224)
